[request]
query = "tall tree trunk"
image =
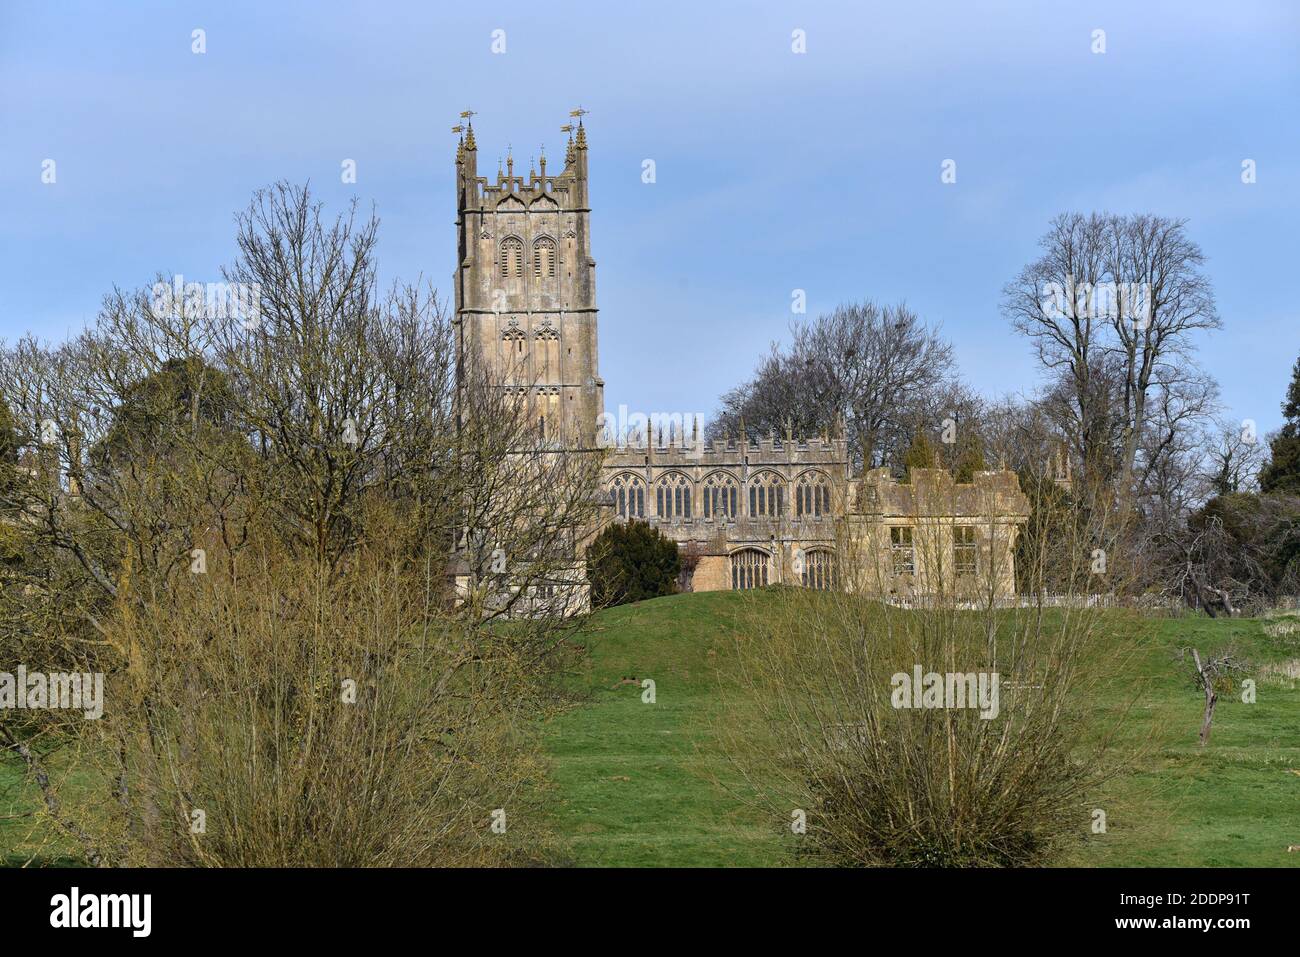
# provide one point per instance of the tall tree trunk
(1211, 698)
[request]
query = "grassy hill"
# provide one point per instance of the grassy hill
(648, 784)
(638, 784)
(634, 777)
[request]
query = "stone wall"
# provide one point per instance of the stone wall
(957, 539)
(713, 573)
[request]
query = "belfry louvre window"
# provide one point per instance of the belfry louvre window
(749, 569)
(673, 497)
(721, 497)
(544, 257)
(900, 544)
(512, 257)
(818, 569)
(965, 553)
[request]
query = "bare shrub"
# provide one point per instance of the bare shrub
(887, 777)
(232, 518)
(279, 716)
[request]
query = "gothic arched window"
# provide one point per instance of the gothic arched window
(812, 496)
(544, 257)
(512, 257)
(548, 401)
(766, 495)
(548, 352)
(629, 496)
(818, 569)
(749, 568)
(515, 337)
(721, 496)
(513, 357)
(673, 496)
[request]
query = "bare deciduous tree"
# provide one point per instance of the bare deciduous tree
(869, 365)
(1112, 305)
(1155, 344)
(1044, 303)
(229, 514)
(1233, 460)
(1210, 675)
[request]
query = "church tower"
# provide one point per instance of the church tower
(526, 288)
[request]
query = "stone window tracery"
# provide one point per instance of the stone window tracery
(721, 497)
(673, 496)
(749, 568)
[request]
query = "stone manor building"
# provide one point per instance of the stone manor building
(746, 511)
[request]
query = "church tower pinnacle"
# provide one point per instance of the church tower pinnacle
(525, 289)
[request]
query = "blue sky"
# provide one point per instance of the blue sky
(775, 171)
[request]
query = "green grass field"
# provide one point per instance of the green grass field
(634, 777)
(638, 781)
(26, 837)
(638, 784)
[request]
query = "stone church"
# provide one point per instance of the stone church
(746, 511)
